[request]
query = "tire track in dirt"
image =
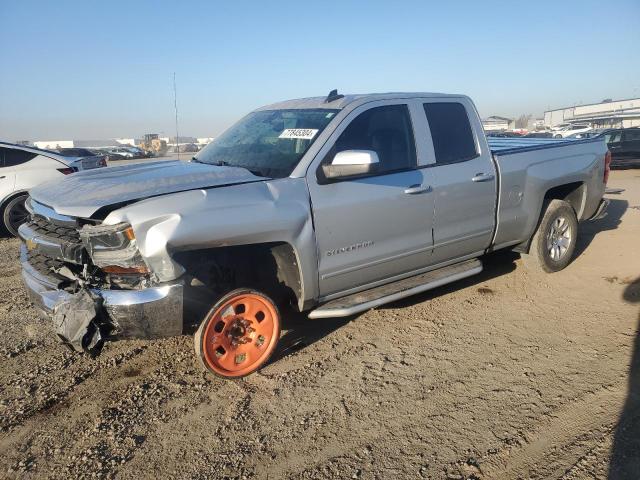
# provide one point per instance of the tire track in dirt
(545, 451)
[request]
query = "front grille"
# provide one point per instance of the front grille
(44, 265)
(48, 229)
(57, 245)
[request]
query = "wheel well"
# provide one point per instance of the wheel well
(8, 198)
(4, 203)
(270, 267)
(572, 193)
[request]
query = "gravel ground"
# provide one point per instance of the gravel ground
(509, 374)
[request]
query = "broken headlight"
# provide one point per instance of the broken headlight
(113, 248)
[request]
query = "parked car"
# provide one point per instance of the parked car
(331, 206)
(119, 153)
(503, 134)
(136, 151)
(22, 168)
(624, 145)
(571, 130)
(539, 135)
(84, 154)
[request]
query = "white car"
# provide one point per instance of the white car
(22, 168)
(572, 129)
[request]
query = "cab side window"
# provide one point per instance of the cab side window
(385, 130)
(14, 157)
(451, 132)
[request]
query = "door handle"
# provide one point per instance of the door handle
(2, 177)
(483, 177)
(415, 189)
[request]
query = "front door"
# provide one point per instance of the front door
(376, 226)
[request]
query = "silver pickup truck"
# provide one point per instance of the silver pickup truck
(330, 206)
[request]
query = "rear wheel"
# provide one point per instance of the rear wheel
(15, 214)
(239, 334)
(554, 241)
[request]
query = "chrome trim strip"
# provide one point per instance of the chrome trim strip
(50, 214)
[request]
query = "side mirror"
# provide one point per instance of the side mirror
(349, 163)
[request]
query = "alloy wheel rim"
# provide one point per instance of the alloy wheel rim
(559, 238)
(18, 215)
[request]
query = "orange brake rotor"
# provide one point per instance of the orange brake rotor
(240, 334)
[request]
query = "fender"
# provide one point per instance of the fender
(261, 212)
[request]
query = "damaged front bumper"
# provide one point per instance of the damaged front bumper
(152, 312)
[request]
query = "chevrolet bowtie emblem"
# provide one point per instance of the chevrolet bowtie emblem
(31, 245)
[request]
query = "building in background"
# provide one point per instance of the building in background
(606, 114)
(53, 144)
(495, 123)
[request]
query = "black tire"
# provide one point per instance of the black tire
(15, 214)
(554, 241)
(557, 136)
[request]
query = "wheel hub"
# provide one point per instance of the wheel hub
(239, 332)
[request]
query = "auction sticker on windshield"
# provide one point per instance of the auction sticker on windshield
(304, 133)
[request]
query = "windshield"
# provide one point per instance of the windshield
(268, 143)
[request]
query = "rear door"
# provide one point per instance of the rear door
(465, 184)
(374, 227)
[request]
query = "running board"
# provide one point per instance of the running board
(362, 301)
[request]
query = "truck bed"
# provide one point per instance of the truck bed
(506, 146)
(529, 167)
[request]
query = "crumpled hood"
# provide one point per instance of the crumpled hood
(82, 194)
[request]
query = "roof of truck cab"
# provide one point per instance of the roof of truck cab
(347, 99)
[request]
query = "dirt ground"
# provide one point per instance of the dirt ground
(509, 374)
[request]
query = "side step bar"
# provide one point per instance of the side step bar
(362, 301)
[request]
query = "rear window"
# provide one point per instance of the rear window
(451, 132)
(14, 157)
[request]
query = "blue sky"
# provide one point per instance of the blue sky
(89, 69)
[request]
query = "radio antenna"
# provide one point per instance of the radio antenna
(175, 106)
